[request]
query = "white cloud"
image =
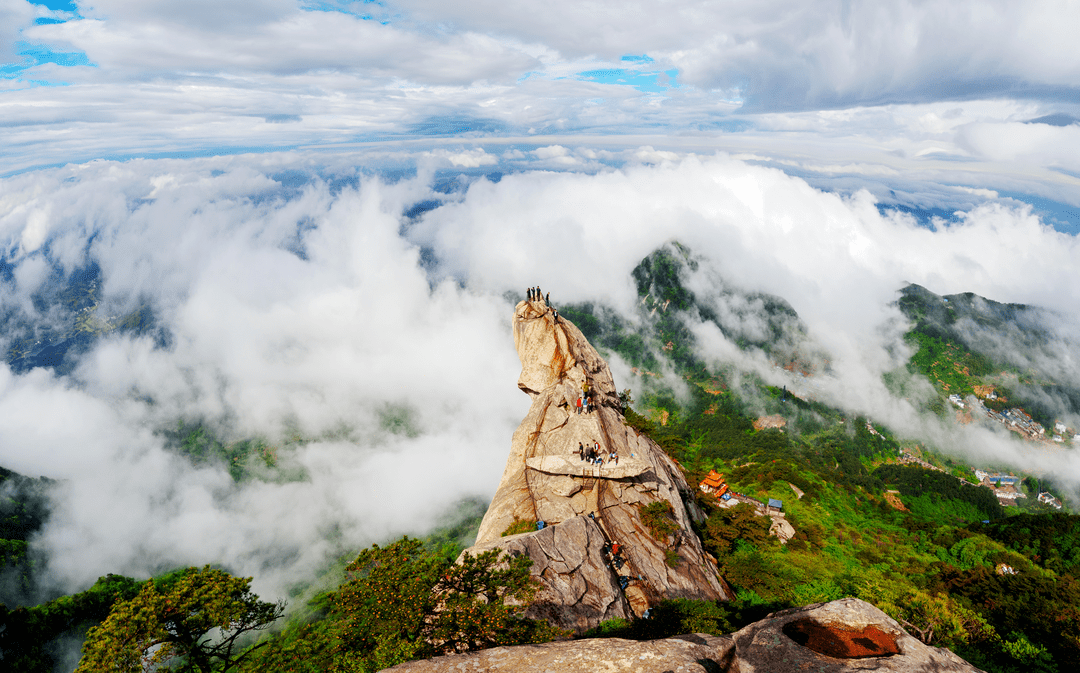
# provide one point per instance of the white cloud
(200, 77)
(263, 343)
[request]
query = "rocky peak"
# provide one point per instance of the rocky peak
(587, 508)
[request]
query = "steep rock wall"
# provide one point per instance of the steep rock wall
(583, 506)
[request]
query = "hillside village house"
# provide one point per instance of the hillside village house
(1047, 498)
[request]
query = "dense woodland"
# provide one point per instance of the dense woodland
(1001, 587)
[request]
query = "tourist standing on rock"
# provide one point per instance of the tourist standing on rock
(581, 450)
(578, 405)
(547, 298)
(585, 404)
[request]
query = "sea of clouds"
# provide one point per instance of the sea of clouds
(299, 298)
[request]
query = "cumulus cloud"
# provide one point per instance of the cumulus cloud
(781, 55)
(264, 342)
(898, 97)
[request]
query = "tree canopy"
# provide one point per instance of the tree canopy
(173, 625)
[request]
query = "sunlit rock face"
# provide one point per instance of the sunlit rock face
(584, 506)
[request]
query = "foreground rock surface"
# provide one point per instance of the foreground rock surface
(849, 631)
(586, 507)
(859, 637)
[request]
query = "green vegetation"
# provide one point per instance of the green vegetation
(850, 542)
(658, 517)
(23, 510)
(952, 368)
(404, 602)
(27, 633)
(919, 482)
(947, 336)
(519, 526)
(675, 617)
(157, 628)
(934, 568)
(1051, 540)
(201, 445)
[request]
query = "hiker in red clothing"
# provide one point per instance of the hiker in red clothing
(579, 404)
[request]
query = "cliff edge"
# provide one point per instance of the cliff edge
(594, 557)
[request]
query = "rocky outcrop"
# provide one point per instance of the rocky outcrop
(586, 507)
(694, 653)
(570, 562)
(843, 636)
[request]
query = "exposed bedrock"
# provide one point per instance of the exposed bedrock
(585, 506)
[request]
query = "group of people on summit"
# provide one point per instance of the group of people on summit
(534, 294)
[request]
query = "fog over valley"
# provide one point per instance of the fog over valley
(365, 342)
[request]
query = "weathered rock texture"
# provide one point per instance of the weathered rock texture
(694, 653)
(850, 630)
(583, 506)
(839, 637)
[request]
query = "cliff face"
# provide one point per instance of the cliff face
(586, 507)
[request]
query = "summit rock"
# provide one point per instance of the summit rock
(587, 509)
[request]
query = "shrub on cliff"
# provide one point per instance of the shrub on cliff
(658, 517)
